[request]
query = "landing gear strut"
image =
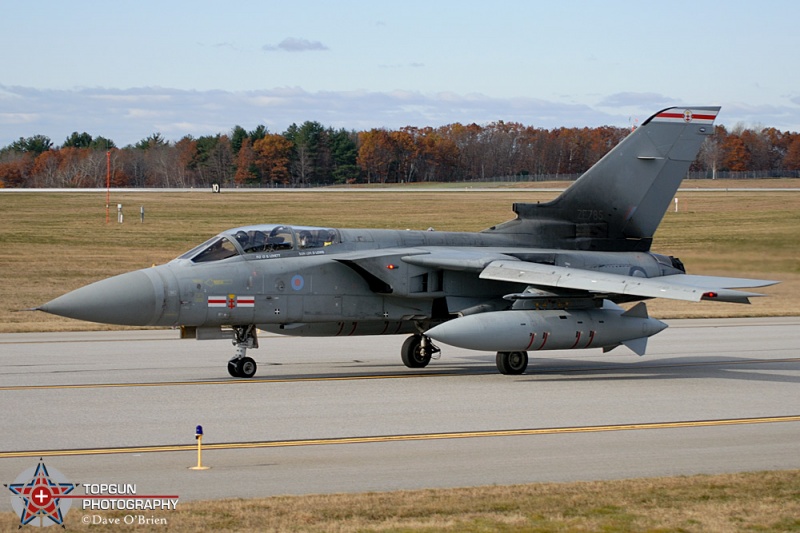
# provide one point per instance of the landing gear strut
(240, 366)
(417, 351)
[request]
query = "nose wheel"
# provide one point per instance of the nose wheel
(242, 366)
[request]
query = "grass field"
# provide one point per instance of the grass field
(764, 502)
(55, 242)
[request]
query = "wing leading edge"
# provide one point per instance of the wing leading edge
(676, 287)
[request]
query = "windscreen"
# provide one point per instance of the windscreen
(215, 250)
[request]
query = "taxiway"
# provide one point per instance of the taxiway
(344, 415)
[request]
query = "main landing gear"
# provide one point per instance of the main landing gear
(240, 366)
(417, 351)
(512, 362)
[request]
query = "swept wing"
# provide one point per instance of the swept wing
(677, 287)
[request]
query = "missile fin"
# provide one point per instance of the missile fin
(637, 346)
(637, 311)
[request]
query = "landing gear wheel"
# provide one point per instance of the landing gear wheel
(246, 367)
(512, 362)
(413, 354)
(232, 370)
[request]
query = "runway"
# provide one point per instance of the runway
(344, 414)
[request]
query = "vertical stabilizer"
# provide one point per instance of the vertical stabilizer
(619, 202)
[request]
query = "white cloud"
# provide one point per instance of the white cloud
(129, 115)
(19, 118)
(628, 99)
(294, 44)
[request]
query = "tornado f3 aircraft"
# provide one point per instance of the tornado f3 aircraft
(550, 279)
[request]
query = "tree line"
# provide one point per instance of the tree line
(311, 154)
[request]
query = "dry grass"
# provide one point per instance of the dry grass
(767, 501)
(56, 242)
(53, 243)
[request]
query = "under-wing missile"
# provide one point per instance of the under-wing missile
(524, 330)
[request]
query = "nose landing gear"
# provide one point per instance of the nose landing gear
(241, 366)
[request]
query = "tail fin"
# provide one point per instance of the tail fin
(619, 202)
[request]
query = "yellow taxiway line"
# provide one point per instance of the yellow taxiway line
(231, 381)
(253, 381)
(404, 438)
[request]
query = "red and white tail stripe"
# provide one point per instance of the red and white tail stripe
(687, 115)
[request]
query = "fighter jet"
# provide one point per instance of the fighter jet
(549, 279)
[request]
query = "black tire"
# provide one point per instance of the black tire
(411, 353)
(512, 363)
(246, 367)
(232, 370)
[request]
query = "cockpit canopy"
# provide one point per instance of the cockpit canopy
(260, 242)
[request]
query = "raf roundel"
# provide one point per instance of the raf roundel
(297, 282)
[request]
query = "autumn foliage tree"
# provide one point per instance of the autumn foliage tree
(246, 171)
(377, 155)
(792, 158)
(272, 158)
(311, 154)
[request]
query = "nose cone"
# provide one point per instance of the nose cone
(655, 326)
(444, 332)
(131, 299)
(465, 332)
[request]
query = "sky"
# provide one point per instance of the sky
(125, 70)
